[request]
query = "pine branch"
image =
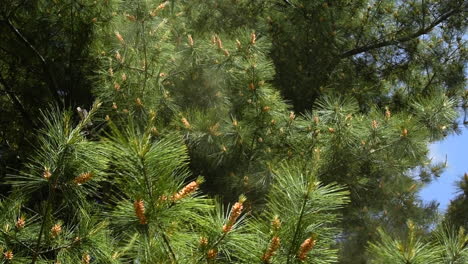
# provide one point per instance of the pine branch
(53, 87)
(146, 179)
(296, 231)
(69, 245)
(71, 51)
(166, 241)
(19, 241)
(214, 245)
(16, 102)
(41, 231)
(62, 151)
(50, 198)
(145, 56)
(409, 37)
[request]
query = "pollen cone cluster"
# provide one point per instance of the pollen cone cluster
(272, 248)
(83, 177)
(305, 248)
(236, 210)
(188, 189)
(139, 206)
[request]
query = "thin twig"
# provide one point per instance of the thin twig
(69, 245)
(166, 241)
(50, 198)
(16, 102)
(296, 232)
(53, 87)
(17, 240)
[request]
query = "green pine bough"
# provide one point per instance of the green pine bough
(127, 198)
(192, 154)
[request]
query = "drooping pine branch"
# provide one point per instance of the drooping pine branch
(53, 87)
(403, 39)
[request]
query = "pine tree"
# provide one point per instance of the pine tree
(193, 107)
(212, 88)
(446, 246)
(152, 213)
(411, 250)
(234, 145)
(457, 211)
(44, 58)
(53, 213)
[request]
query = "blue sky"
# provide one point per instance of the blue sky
(443, 189)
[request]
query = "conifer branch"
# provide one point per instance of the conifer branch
(53, 87)
(298, 225)
(409, 37)
(53, 187)
(145, 56)
(169, 247)
(69, 245)
(146, 179)
(236, 210)
(17, 240)
(221, 238)
(45, 217)
(16, 102)
(70, 52)
(43, 223)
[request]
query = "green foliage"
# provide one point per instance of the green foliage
(447, 246)
(199, 92)
(458, 208)
(151, 214)
(51, 214)
(44, 58)
(381, 52)
(409, 250)
(455, 244)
